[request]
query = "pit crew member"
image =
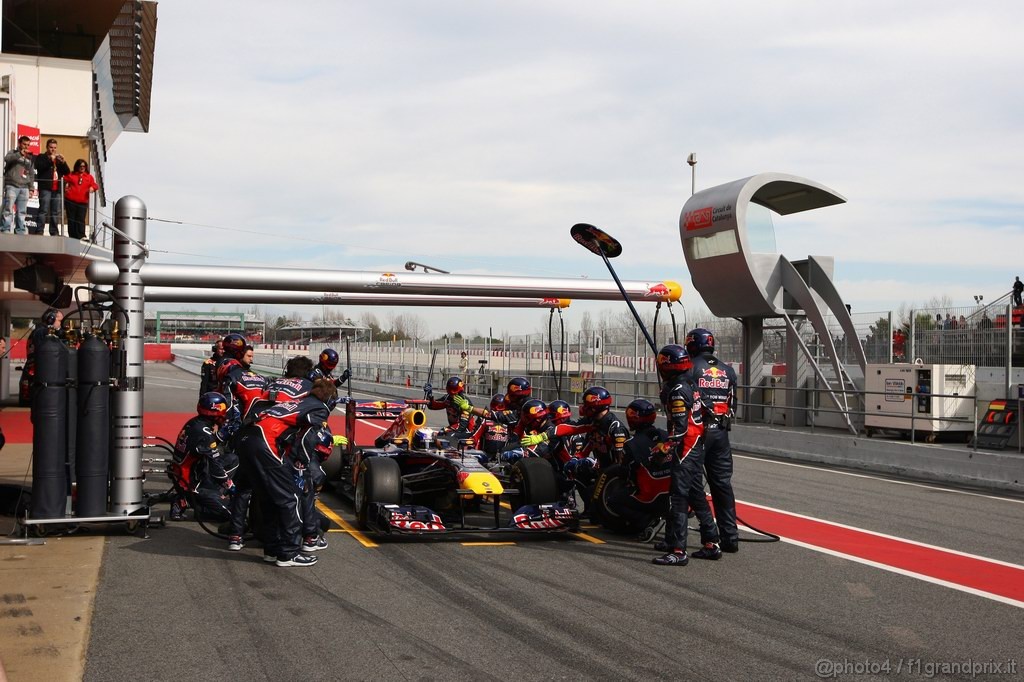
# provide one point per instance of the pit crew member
(643, 497)
(325, 366)
(197, 467)
(683, 410)
(716, 383)
(261, 448)
(458, 418)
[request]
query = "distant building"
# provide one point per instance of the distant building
(201, 327)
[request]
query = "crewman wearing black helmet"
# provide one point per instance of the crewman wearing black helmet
(325, 366)
(198, 468)
(458, 419)
(683, 410)
(716, 382)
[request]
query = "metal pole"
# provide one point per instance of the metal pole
(636, 353)
(126, 435)
(1009, 348)
(692, 160)
(891, 330)
(911, 346)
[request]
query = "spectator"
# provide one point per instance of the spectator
(50, 170)
(463, 364)
(77, 186)
(19, 183)
(1018, 289)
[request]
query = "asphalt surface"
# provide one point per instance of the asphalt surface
(179, 605)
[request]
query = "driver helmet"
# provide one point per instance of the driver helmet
(422, 439)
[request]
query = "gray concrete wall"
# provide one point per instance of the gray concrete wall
(986, 469)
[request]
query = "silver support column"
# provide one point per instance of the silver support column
(126, 436)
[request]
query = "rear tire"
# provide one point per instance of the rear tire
(610, 482)
(332, 466)
(535, 479)
(380, 480)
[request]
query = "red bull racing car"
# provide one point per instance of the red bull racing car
(413, 481)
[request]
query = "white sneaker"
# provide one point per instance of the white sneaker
(235, 543)
(298, 560)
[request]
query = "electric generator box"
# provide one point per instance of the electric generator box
(928, 398)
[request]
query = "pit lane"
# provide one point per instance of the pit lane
(180, 604)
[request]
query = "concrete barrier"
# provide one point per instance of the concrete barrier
(949, 464)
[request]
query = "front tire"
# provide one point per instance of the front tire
(380, 480)
(535, 479)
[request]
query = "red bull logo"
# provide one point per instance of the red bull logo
(388, 279)
(549, 301)
(659, 290)
(714, 377)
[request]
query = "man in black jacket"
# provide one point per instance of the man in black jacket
(50, 170)
(716, 382)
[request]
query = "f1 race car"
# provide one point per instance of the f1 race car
(413, 481)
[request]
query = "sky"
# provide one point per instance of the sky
(471, 136)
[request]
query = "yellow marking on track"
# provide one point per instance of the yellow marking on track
(590, 526)
(506, 505)
(486, 544)
(346, 526)
(588, 538)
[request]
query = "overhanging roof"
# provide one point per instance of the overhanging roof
(73, 29)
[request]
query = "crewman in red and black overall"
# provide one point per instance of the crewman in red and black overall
(229, 369)
(490, 436)
(607, 439)
(644, 497)
(208, 370)
(198, 469)
(278, 478)
(325, 367)
(683, 408)
(518, 392)
(458, 419)
(309, 449)
(717, 383)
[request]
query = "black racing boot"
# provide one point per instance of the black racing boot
(709, 551)
(677, 558)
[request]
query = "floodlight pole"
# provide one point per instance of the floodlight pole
(692, 160)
